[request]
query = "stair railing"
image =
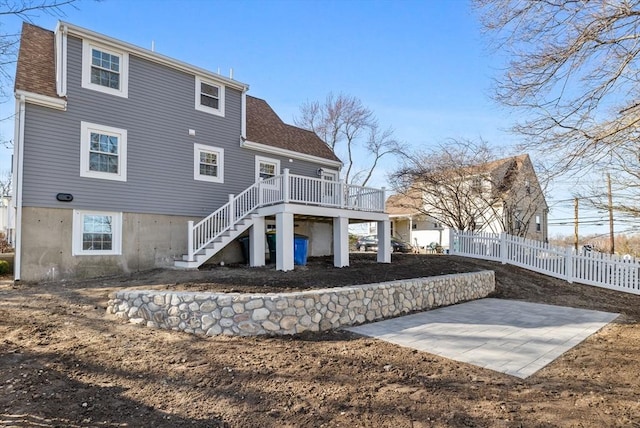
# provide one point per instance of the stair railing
(282, 188)
(208, 229)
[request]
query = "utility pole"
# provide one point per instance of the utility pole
(611, 237)
(575, 226)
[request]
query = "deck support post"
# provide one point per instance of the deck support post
(284, 241)
(384, 241)
(340, 241)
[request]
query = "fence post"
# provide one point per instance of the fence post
(285, 186)
(190, 240)
(343, 194)
(568, 267)
(503, 248)
(383, 194)
(451, 238)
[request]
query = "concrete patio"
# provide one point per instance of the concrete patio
(508, 336)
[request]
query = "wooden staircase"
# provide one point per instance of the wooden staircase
(214, 246)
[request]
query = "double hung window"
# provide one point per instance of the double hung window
(266, 168)
(103, 152)
(208, 163)
(209, 97)
(97, 233)
(104, 69)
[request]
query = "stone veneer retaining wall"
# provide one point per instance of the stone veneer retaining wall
(291, 313)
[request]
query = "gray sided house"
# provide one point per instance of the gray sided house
(127, 160)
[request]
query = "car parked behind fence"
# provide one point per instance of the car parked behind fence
(370, 243)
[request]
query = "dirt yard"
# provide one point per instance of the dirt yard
(65, 363)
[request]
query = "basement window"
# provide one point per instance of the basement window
(97, 233)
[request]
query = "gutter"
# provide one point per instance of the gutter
(260, 147)
(18, 154)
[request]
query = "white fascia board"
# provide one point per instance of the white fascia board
(151, 56)
(289, 153)
(42, 100)
(407, 216)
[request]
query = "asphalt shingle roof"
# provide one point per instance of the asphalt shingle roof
(36, 69)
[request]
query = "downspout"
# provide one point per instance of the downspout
(243, 117)
(18, 154)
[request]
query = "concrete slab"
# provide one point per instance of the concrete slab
(508, 336)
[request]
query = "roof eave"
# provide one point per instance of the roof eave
(42, 100)
(289, 153)
(147, 54)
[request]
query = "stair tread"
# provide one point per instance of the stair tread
(216, 245)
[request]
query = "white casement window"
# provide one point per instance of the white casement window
(97, 233)
(266, 168)
(105, 69)
(103, 152)
(208, 163)
(209, 97)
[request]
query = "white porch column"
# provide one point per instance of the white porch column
(284, 241)
(384, 241)
(340, 241)
(257, 242)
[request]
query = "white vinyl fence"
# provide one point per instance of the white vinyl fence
(588, 267)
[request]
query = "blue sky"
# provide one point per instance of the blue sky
(421, 66)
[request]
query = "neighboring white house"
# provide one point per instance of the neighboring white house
(517, 206)
(414, 227)
(7, 221)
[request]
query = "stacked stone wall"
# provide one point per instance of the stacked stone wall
(292, 313)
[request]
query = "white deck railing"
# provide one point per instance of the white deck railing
(285, 188)
(590, 267)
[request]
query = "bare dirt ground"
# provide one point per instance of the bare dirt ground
(65, 363)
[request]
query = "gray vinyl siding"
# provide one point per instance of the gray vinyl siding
(157, 115)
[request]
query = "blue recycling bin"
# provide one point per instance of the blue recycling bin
(300, 248)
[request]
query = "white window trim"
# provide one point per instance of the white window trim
(263, 159)
(197, 149)
(86, 69)
(221, 90)
(116, 230)
(333, 173)
(85, 130)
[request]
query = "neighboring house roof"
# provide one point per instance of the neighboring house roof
(503, 171)
(402, 205)
(36, 73)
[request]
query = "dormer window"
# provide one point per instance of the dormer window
(209, 97)
(104, 69)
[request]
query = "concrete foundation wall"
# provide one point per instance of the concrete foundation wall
(292, 313)
(148, 241)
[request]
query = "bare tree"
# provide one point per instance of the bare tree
(6, 181)
(625, 184)
(350, 129)
(572, 75)
(461, 185)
